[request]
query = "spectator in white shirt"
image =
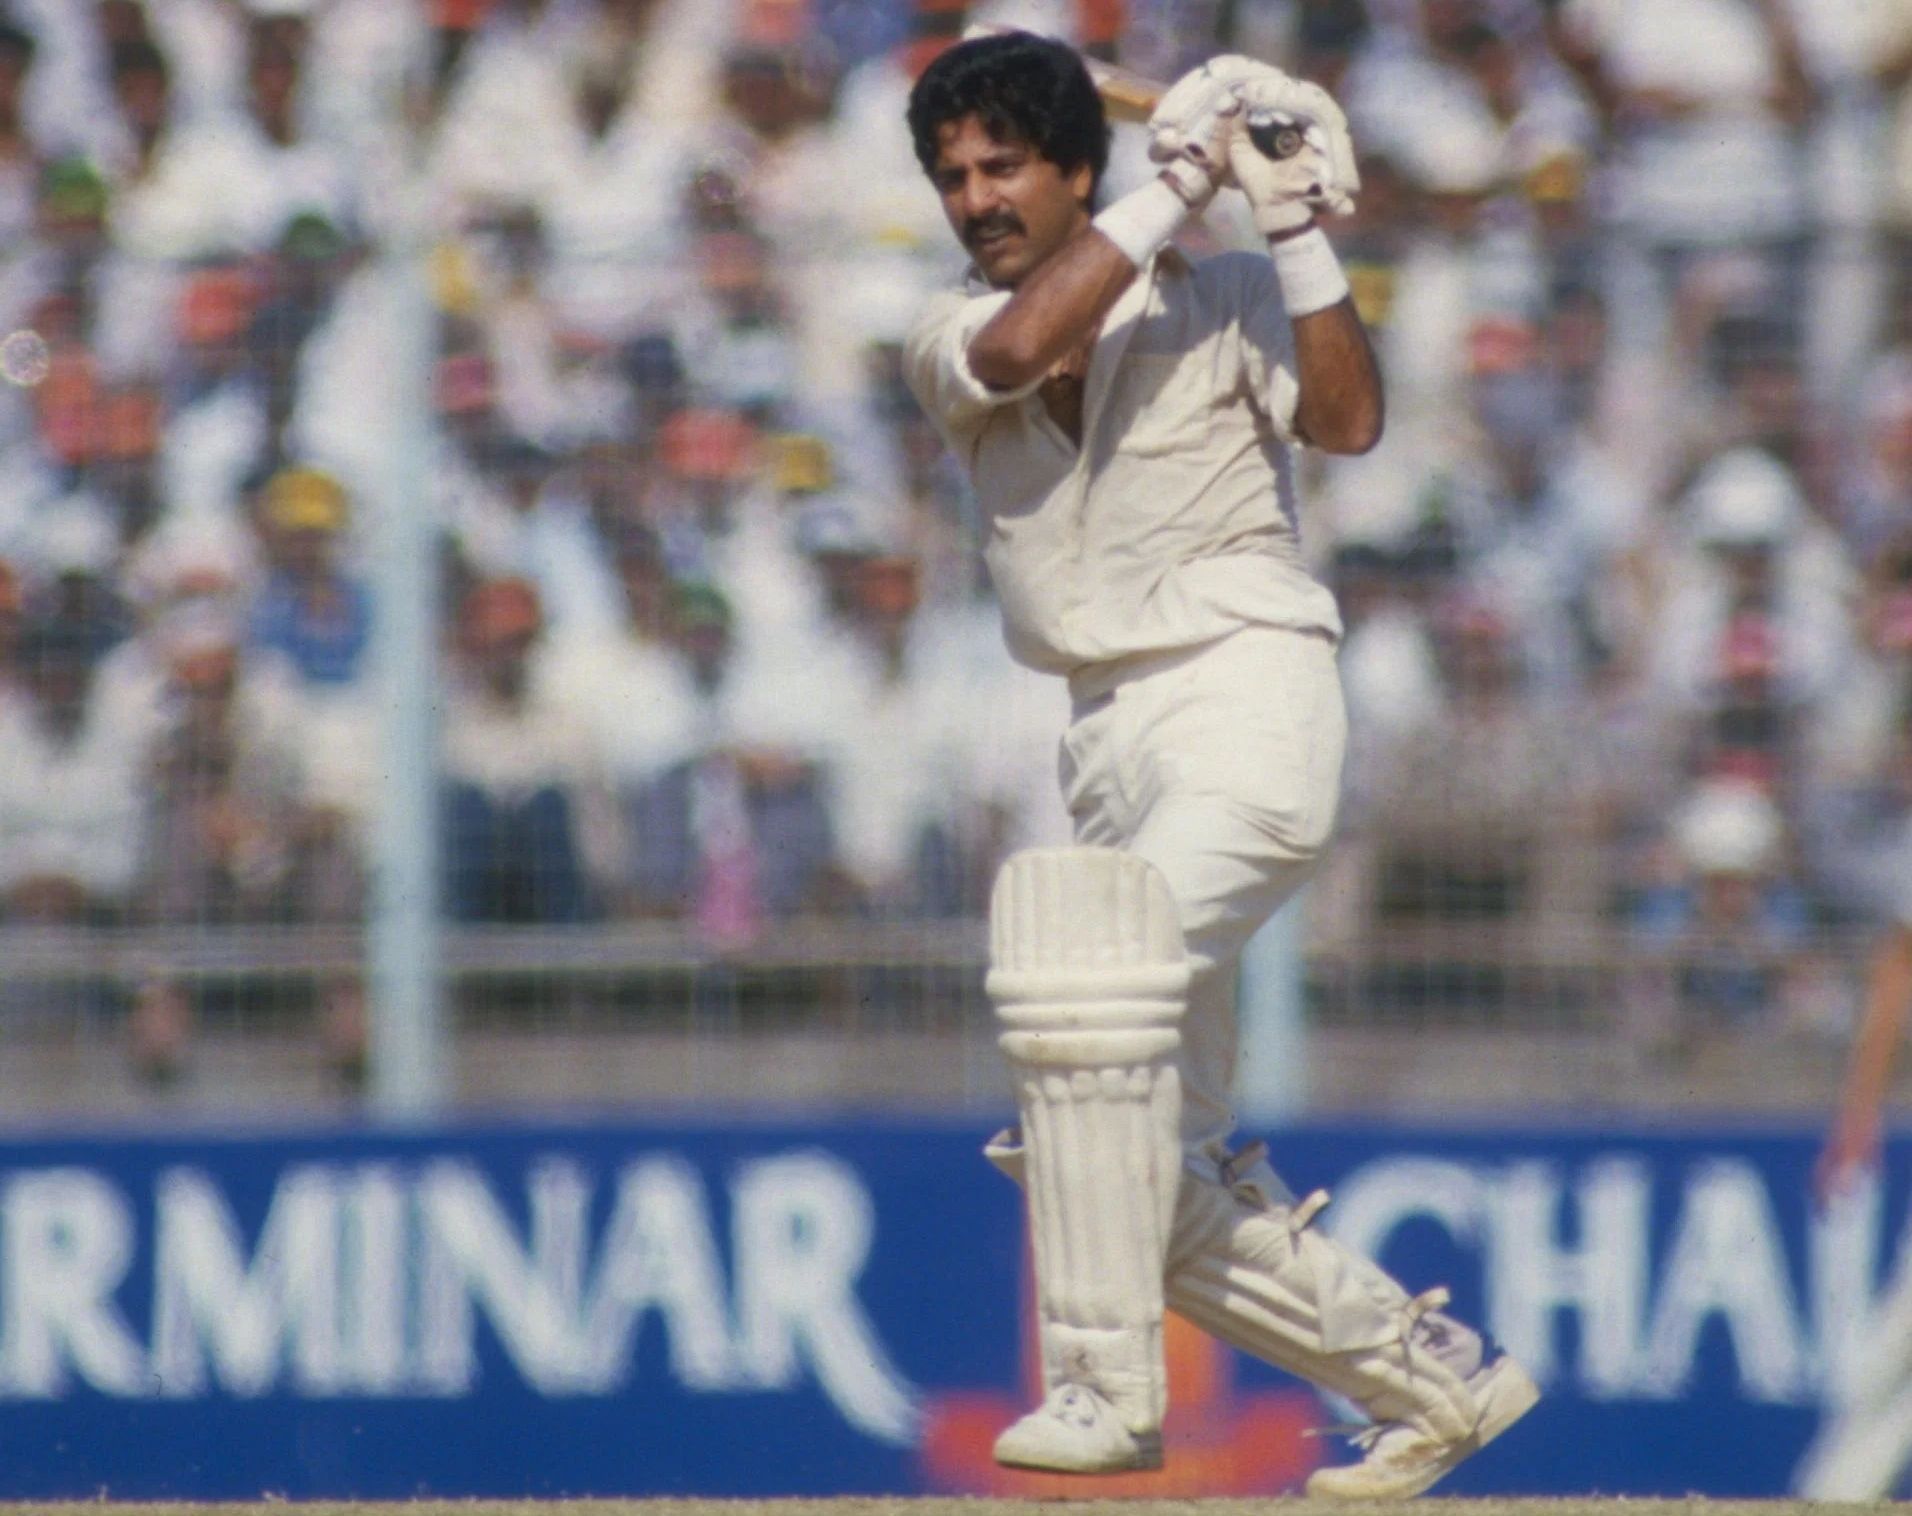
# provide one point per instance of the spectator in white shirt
(69, 789)
(221, 428)
(140, 135)
(529, 833)
(633, 683)
(1704, 95)
(1750, 547)
(1851, 745)
(233, 182)
(528, 522)
(1875, 490)
(1858, 54)
(20, 155)
(229, 839)
(1459, 63)
(611, 202)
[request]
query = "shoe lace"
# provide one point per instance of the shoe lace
(1362, 1434)
(1236, 1165)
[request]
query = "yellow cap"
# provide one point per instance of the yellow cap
(305, 499)
(1558, 178)
(800, 463)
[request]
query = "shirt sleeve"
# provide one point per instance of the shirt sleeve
(1267, 342)
(936, 361)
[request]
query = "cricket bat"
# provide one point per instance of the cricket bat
(1129, 96)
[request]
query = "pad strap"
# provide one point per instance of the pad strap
(1263, 1280)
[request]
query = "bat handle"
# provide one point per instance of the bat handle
(1275, 136)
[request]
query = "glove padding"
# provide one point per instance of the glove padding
(1190, 130)
(1319, 179)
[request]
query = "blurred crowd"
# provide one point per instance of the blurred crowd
(1628, 585)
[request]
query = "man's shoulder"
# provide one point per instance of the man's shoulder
(949, 297)
(941, 305)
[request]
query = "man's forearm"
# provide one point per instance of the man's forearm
(1052, 310)
(1340, 409)
(1063, 300)
(1888, 998)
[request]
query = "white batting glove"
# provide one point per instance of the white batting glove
(1319, 178)
(1190, 129)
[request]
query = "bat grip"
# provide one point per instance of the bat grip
(1275, 136)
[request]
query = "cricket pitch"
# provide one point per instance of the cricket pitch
(943, 1506)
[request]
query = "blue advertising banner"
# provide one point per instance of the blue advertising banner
(752, 1308)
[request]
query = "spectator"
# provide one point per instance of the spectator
(12, 604)
(1452, 264)
(228, 839)
(1554, 516)
(140, 158)
(298, 282)
(524, 521)
(1482, 810)
(1631, 265)
(1751, 549)
(1877, 684)
(69, 789)
(232, 182)
(609, 197)
(893, 754)
(1720, 933)
(738, 836)
(742, 348)
(20, 156)
(1462, 63)
(646, 687)
(1702, 96)
(527, 828)
(66, 274)
(310, 610)
(1387, 661)
(1857, 746)
(1858, 55)
(1875, 493)
(220, 434)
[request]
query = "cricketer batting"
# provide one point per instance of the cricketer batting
(1127, 416)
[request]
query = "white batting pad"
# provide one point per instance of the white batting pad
(1089, 979)
(1256, 1275)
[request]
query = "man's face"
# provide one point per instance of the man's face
(144, 99)
(1009, 206)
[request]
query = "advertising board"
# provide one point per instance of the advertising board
(764, 1308)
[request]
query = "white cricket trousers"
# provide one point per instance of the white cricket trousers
(1221, 765)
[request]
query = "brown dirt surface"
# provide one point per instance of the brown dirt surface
(899, 1505)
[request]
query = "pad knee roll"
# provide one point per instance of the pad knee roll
(1087, 966)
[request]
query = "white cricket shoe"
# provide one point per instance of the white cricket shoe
(1403, 1461)
(1076, 1431)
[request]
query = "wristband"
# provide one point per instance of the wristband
(1308, 272)
(1143, 220)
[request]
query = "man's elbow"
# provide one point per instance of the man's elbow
(1003, 362)
(1368, 437)
(1347, 435)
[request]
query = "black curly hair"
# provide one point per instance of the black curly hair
(1021, 87)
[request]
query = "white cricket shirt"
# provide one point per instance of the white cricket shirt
(1174, 523)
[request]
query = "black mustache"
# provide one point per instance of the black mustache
(984, 225)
